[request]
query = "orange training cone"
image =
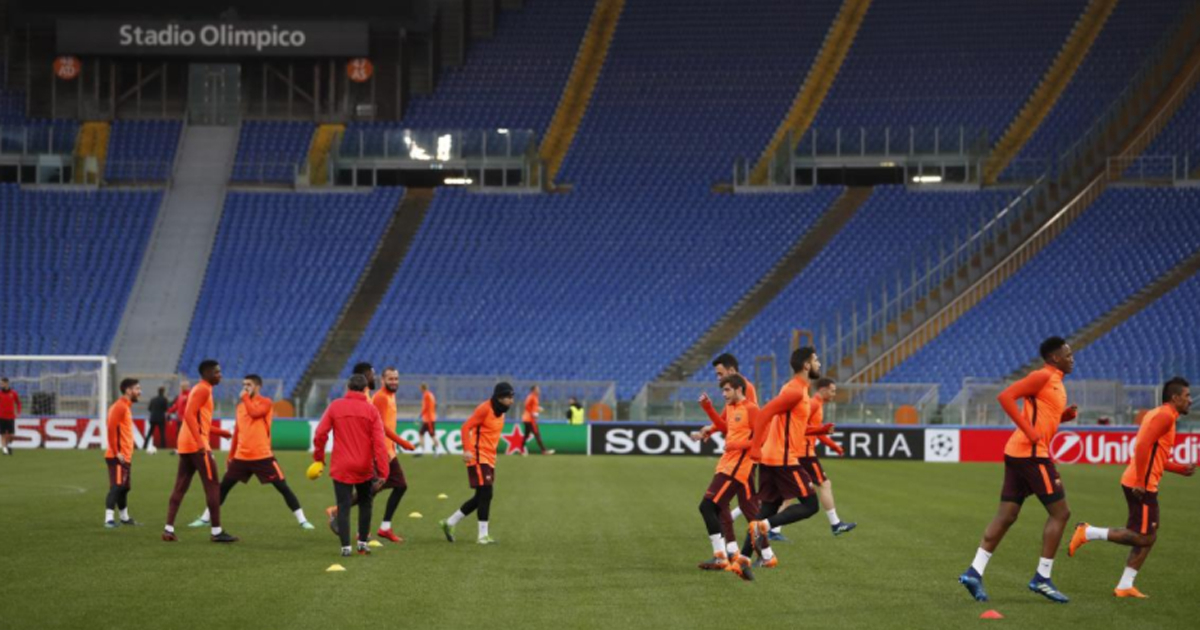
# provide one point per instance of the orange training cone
(991, 614)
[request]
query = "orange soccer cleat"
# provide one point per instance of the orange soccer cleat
(1130, 592)
(1078, 539)
(390, 535)
(739, 565)
(718, 562)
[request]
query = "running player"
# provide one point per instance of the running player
(480, 433)
(428, 431)
(779, 439)
(726, 364)
(195, 454)
(119, 455)
(533, 409)
(1028, 468)
(733, 474)
(826, 390)
(360, 458)
(250, 455)
(1152, 454)
(10, 408)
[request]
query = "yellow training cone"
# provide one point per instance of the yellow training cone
(334, 568)
(443, 496)
(415, 515)
(374, 543)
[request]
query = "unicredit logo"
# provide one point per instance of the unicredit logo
(1066, 447)
(1069, 447)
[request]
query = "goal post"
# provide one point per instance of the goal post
(60, 386)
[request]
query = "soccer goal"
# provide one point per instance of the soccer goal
(60, 386)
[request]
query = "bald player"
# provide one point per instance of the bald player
(251, 455)
(1152, 455)
(480, 434)
(1028, 468)
(119, 455)
(195, 454)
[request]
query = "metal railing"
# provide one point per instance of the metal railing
(1101, 403)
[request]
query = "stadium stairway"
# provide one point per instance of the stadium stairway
(324, 139)
(768, 287)
(1155, 98)
(577, 93)
(158, 314)
(816, 84)
(1052, 85)
(343, 337)
(92, 142)
(1137, 302)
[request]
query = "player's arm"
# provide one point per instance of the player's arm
(1187, 470)
(833, 446)
(191, 419)
(113, 430)
(824, 429)
(321, 436)
(1144, 445)
(379, 445)
(468, 435)
(403, 443)
(1024, 388)
(258, 407)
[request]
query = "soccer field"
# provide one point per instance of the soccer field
(606, 542)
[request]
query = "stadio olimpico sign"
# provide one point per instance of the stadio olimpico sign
(206, 38)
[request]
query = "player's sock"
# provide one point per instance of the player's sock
(718, 543)
(125, 514)
(768, 553)
(483, 529)
(1127, 579)
(385, 525)
(108, 515)
(833, 517)
(170, 528)
(1044, 567)
(1096, 533)
(456, 517)
(777, 530)
(731, 548)
(981, 560)
(737, 511)
(300, 516)
(206, 517)
(216, 531)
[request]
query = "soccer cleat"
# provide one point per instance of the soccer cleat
(486, 540)
(1044, 587)
(1130, 592)
(306, 526)
(759, 531)
(111, 525)
(740, 566)
(448, 530)
(130, 522)
(1078, 539)
(169, 536)
(346, 553)
(775, 536)
(389, 535)
(199, 523)
(223, 537)
(842, 528)
(363, 548)
(759, 563)
(974, 583)
(716, 563)
(332, 512)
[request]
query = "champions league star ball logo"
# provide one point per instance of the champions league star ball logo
(942, 445)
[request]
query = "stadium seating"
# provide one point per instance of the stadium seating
(142, 150)
(944, 63)
(882, 238)
(69, 260)
(1129, 35)
(580, 286)
(1180, 139)
(282, 267)
(32, 135)
(268, 150)
(1126, 239)
(1153, 345)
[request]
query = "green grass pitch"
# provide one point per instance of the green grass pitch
(600, 542)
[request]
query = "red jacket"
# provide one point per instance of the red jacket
(10, 405)
(180, 405)
(359, 448)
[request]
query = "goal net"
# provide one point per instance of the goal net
(60, 386)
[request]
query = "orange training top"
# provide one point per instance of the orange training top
(428, 407)
(738, 435)
(1045, 401)
(481, 433)
(531, 408)
(252, 433)
(785, 442)
(1152, 450)
(120, 430)
(385, 402)
(197, 420)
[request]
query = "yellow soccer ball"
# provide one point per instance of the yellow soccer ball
(315, 470)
